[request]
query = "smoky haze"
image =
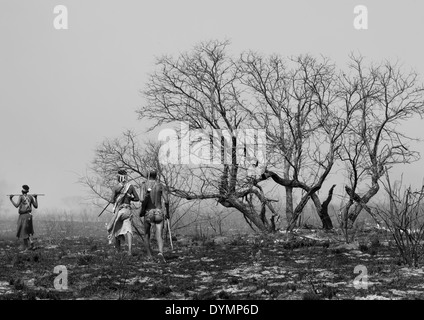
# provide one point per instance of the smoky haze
(62, 92)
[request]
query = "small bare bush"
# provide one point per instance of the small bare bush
(403, 216)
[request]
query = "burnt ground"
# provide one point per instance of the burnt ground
(308, 266)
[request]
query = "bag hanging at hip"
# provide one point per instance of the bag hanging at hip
(155, 216)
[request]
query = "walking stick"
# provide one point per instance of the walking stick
(170, 236)
(103, 209)
(31, 194)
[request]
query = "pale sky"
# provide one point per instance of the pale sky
(62, 92)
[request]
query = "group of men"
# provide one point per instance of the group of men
(121, 225)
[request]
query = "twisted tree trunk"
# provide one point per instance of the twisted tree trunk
(323, 209)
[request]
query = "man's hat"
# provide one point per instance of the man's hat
(122, 172)
(25, 187)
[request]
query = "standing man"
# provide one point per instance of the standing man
(154, 192)
(25, 227)
(120, 225)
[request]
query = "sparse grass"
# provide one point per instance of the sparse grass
(245, 267)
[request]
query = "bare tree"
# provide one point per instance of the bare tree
(110, 156)
(304, 120)
(386, 97)
(312, 116)
(127, 153)
(202, 88)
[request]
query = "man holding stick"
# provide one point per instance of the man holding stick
(120, 225)
(25, 228)
(151, 209)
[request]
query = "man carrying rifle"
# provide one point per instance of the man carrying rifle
(25, 228)
(120, 225)
(151, 209)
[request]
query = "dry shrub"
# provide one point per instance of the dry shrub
(403, 217)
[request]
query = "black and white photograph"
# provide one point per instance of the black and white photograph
(211, 155)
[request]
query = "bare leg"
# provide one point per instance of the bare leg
(147, 238)
(23, 245)
(129, 240)
(159, 227)
(118, 243)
